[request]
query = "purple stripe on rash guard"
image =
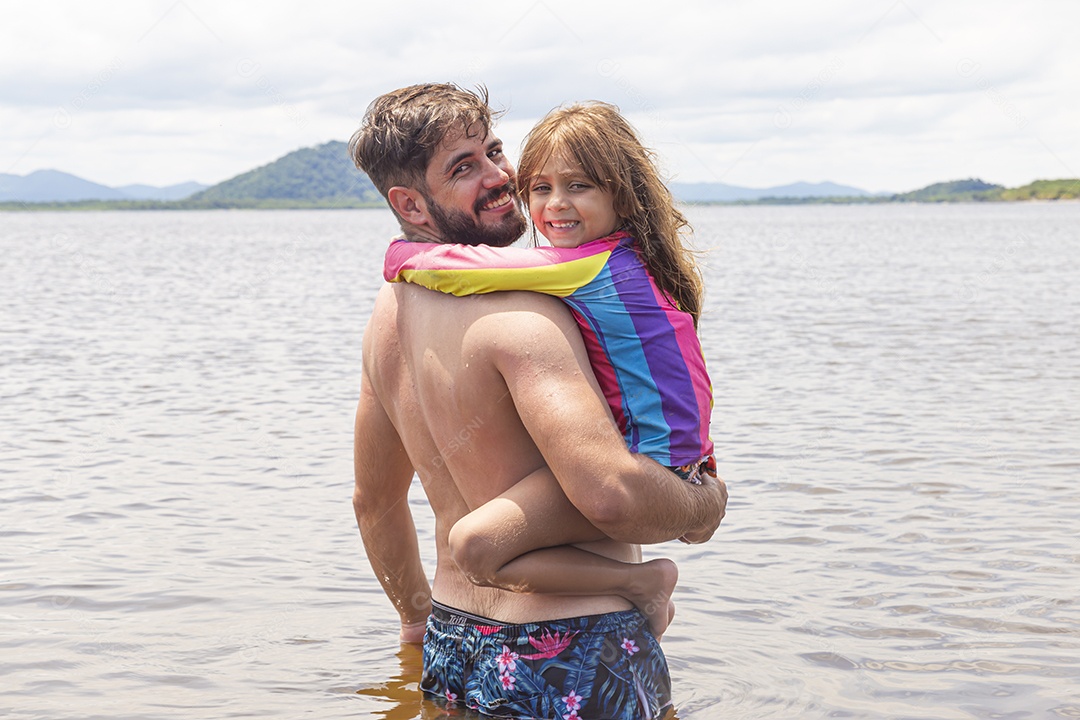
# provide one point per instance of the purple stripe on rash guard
(693, 356)
(663, 354)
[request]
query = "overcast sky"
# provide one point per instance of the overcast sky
(880, 94)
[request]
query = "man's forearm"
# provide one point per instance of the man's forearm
(383, 475)
(390, 541)
(628, 497)
(646, 503)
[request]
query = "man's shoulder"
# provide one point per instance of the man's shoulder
(526, 330)
(384, 309)
(510, 318)
(524, 318)
(511, 301)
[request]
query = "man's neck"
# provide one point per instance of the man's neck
(421, 233)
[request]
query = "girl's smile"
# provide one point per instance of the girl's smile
(567, 207)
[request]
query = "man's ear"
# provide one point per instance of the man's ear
(409, 204)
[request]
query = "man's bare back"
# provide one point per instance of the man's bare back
(437, 363)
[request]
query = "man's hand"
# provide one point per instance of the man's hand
(705, 534)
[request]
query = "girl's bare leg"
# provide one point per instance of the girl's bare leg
(521, 541)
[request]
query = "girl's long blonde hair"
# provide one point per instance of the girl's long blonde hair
(596, 136)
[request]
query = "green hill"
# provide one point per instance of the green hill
(953, 191)
(1045, 190)
(323, 175)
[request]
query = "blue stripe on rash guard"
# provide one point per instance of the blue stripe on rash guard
(642, 400)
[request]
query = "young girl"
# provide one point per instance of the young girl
(594, 192)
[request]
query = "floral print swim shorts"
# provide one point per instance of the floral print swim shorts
(598, 666)
(692, 473)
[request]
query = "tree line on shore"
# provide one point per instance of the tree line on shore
(323, 177)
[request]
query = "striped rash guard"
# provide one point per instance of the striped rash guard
(644, 351)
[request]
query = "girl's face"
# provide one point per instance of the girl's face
(568, 208)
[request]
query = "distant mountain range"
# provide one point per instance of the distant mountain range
(719, 192)
(321, 176)
(324, 176)
(169, 192)
(325, 173)
(56, 186)
(974, 190)
(970, 190)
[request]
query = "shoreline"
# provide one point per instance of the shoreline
(180, 206)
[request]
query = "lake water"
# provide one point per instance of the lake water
(897, 391)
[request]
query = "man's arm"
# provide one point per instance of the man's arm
(380, 500)
(628, 497)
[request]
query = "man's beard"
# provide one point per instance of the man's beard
(457, 226)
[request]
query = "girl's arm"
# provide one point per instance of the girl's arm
(478, 269)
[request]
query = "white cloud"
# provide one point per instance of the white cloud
(884, 94)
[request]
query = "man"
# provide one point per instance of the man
(474, 394)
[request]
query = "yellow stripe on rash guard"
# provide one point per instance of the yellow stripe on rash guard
(559, 279)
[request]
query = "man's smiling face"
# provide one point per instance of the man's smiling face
(470, 195)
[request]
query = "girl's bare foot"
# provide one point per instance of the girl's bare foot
(654, 583)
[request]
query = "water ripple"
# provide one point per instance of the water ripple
(897, 424)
